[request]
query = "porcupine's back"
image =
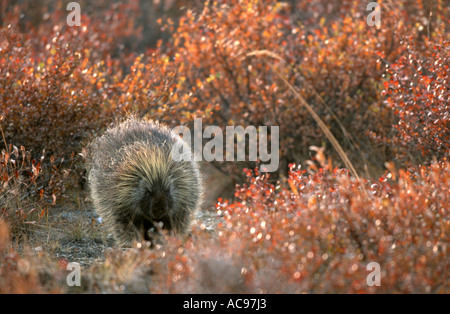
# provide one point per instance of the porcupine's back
(135, 183)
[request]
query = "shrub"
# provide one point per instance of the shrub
(47, 102)
(234, 57)
(319, 232)
(29, 187)
(418, 91)
(62, 84)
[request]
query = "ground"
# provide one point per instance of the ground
(74, 233)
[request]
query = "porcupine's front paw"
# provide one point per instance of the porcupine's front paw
(154, 237)
(155, 234)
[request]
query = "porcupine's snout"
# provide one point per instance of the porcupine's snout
(159, 205)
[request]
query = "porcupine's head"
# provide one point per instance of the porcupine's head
(156, 199)
(147, 186)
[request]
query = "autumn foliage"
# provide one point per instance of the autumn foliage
(239, 60)
(319, 232)
(418, 92)
(383, 92)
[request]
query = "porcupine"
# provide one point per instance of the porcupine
(137, 187)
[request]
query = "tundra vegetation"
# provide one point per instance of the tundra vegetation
(364, 139)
